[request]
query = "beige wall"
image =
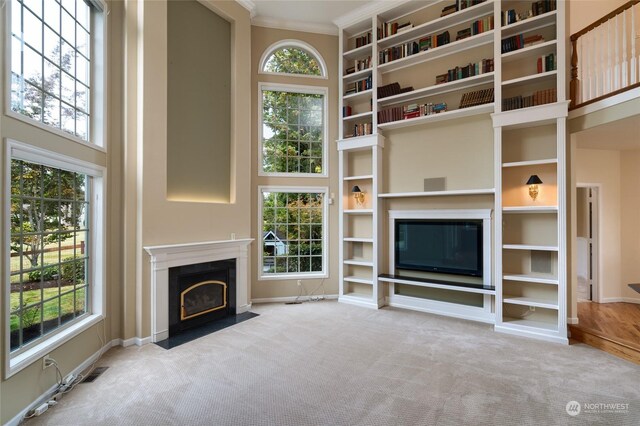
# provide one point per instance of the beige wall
(26, 386)
(582, 13)
(603, 167)
(327, 46)
(630, 225)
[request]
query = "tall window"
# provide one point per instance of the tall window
(293, 57)
(49, 250)
(293, 130)
(51, 63)
(292, 233)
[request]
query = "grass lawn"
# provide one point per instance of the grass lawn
(50, 308)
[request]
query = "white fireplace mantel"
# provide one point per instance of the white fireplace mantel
(173, 255)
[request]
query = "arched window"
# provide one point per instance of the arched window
(293, 57)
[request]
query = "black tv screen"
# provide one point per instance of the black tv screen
(443, 246)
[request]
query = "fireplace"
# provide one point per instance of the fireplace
(201, 293)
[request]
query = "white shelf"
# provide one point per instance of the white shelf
(536, 49)
(530, 209)
(358, 262)
(463, 289)
(402, 9)
(529, 79)
(352, 96)
(530, 301)
(439, 52)
(363, 177)
(358, 211)
(437, 25)
(438, 193)
(359, 280)
(363, 142)
(443, 116)
(358, 116)
(358, 240)
(529, 325)
(532, 278)
(534, 23)
(358, 75)
(358, 52)
(438, 89)
(532, 116)
(531, 162)
(529, 247)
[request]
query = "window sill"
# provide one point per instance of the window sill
(18, 362)
(282, 277)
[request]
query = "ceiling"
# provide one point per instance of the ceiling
(307, 15)
(621, 135)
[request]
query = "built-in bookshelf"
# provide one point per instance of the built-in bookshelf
(410, 65)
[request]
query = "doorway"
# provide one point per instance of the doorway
(587, 241)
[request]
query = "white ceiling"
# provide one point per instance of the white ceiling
(621, 135)
(305, 15)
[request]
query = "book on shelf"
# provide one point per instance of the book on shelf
(478, 97)
(539, 97)
(412, 47)
(546, 63)
(519, 41)
(510, 16)
(448, 10)
(346, 111)
(406, 112)
(362, 64)
(363, 40)
(404, 27)
(543, 6)
(361, 129)
(392, 28)
(358, 86)
(463, 4)
(350, 70)
(466, 71)
(392, 89)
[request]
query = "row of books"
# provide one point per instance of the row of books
(359, 65)
(459, 5)
(479, 97)
(346, 111)
(392, 89)
(361, 129)
(542, 6)
(413, 47)
(546, 63)
(363, 40)
(482, 67)
(392, 28)
(477, 27)
(359, 86)
(407, 112)
(537, 8)
(519, 41)
(540, 97)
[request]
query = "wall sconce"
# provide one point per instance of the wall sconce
(533, 183)
(358, 195)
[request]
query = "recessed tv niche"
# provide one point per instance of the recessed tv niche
(447, 246)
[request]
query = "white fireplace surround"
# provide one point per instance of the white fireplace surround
(173, 255)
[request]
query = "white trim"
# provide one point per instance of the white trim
(287, 24)
(573, 321)
(249, 5)
(97, 250)
(325, 231)
(611, 101)
(454, 310)
(532, 333)
(363, 13)
(136, 341)
(295, 88)
(324, 73)
(99, 74)
(619, 300)
(294, 298)
(46, 395)
(598, 268)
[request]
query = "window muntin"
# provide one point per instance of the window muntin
(293, 131)
(293, 224)
(49, 251)
(51, 63)
(292, 60)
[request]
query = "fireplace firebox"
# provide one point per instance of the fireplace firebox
(201, 293)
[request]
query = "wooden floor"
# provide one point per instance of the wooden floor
(612, 327)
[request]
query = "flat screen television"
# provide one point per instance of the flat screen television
(441, 246)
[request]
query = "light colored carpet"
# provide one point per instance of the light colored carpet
(325, 363)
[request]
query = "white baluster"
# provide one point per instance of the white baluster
(625, 63)
(634, 60)
(609, 62)
(616, 59)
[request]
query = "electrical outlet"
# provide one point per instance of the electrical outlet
(233, 235)
(299, 283)
(47, 361)
(532, 308)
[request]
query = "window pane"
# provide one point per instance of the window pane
(292, 60)
(68, 28)
(34, 5)
(52, 46)
(32, 67)
(52, 15)
(287, 126)
(287, 243)
(33, 36)
(48, 255)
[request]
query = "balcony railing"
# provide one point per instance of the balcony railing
(604, 57)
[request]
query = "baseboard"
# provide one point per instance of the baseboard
(292, 299)
(620, 299)
(572, 321)
(531, 334)
(50, 392)
(135, 341)
(631, 300)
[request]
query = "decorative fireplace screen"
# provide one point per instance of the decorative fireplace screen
(202, 298)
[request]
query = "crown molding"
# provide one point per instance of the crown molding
(365, 12)
(283, 24)
(249, 5)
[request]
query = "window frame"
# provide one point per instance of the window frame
(324, 190)
(298, 44)
(295, 88)
(97, 83)
(96, 302)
